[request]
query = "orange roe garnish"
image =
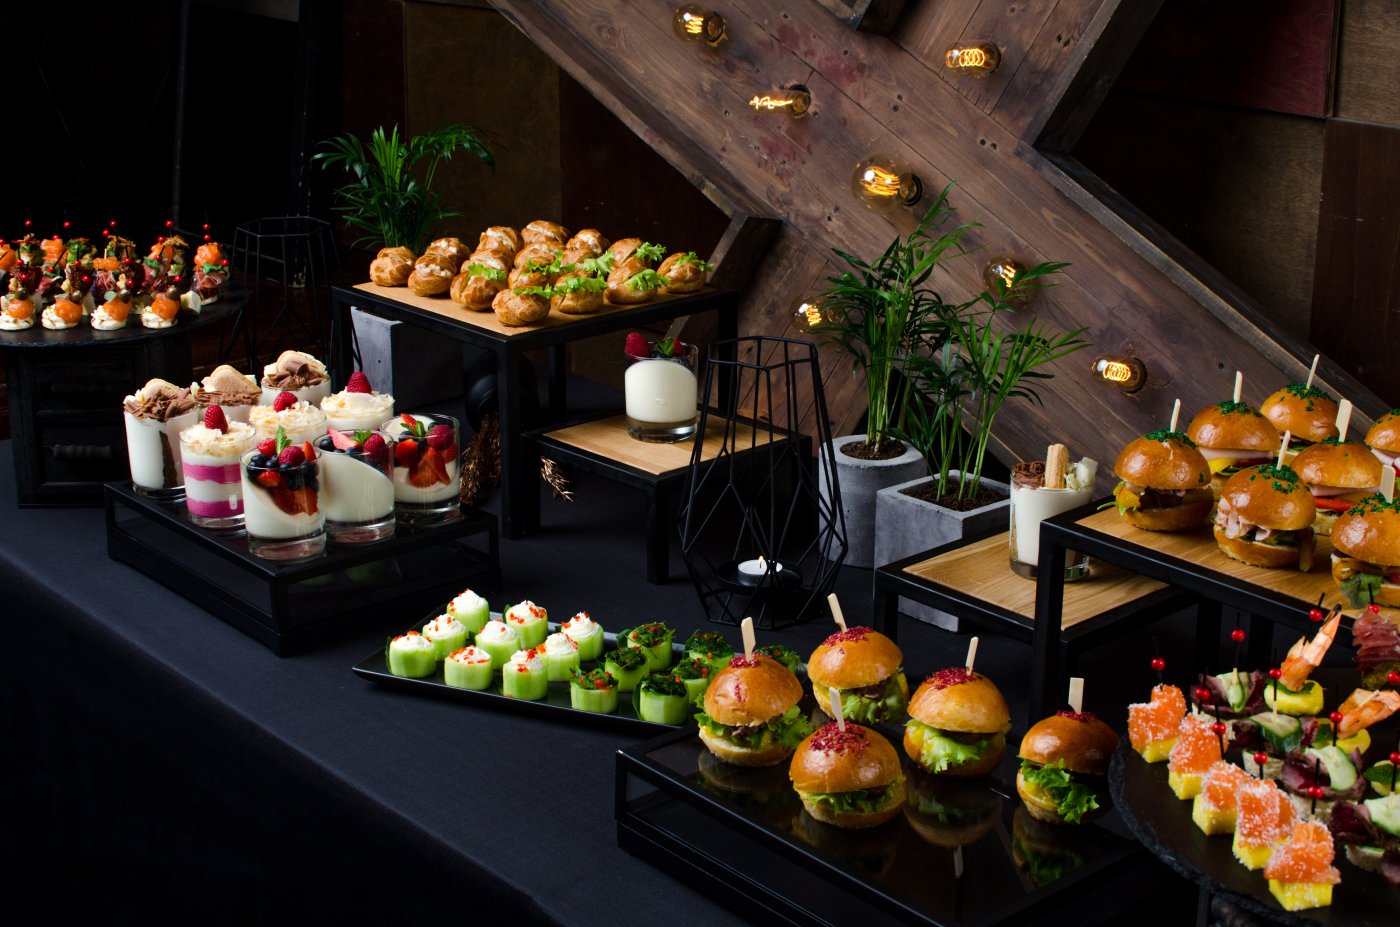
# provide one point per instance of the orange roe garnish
(1149, 722)
(952, 676)
(1196, 748)
(850, 634)
(1220, 784)
(1306, 857)
(829, 738)
(1265, 814)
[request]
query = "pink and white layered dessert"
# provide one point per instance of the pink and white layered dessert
(210, 453)
(298, 418)
(298, 373)
(357, 406)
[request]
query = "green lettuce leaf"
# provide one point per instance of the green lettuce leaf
(887, 706)
(941, 752)
(1361, 588)
(1074, 799)
(860, 801)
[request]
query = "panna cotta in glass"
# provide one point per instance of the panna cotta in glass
(234, 392)
(211, 454)
(281, 501)
(660, 389)
(357, 406)
(426, 467)
(298, 418)
(357, 486)
(298, 373)
(155, 415)
(1032, 503)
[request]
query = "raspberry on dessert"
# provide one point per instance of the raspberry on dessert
(374, 444)
(214, 418)
(284, 400)
(291, 456)
(637, 345)
(267, 446)
(406, 453)
(440, 437)
(358, 383)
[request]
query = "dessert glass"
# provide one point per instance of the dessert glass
(301, 422)
(426, 485)
(213, 481)
(310, 394)
(152, 450)
(661, 395)
(282, 507)
(357, 492)
(357, 411)
(1032, 503)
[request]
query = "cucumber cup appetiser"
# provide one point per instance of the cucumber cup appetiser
(652, 639)
(695, 675)
(711, 647)
(595, 690)
(499, 640)
(524, 676)
(560, 657)
(470, 609)
(661, 699)
(628, 665)
(468, 668)
(411, 655)
(530, 622)
(447, 634)
(783, 654)
(587, 633)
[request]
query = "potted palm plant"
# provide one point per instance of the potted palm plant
(390, 196)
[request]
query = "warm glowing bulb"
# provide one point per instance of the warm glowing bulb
(695, 23)
(1000, 276)
(809, 314)
(881, 183)
(796, 100)
(978, 60)
(1127, 373)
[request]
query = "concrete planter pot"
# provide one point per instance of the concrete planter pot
(860, 480)
(905, 526)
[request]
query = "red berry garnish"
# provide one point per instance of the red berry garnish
(1373, 608)
(1261, 758)
(358, 383)
(214, 418)
(267, 446)
(374, 447)
(1237, 635)
(284, 400)
(291, 456)
(1395, 757)
(1316, 791)
(440, 437)
(1275, 673)
(637, 345)
(1158, 664)
(1218, 728)
(270, 478)
(410, 421)
(307, 451)
(1202, 694)
(1335, 717)
(1315, 614)
(1393, 677)
(406, 453)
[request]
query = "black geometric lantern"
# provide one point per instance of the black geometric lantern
(758, 539)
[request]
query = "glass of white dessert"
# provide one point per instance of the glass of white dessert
(426, 467)
(213, 481)
(234, 392)
(661, 392)
(298, 373)
(357, 406)
(1032, 503)
(281, 502)
(357, 486)
(300, 420)
(155, 415)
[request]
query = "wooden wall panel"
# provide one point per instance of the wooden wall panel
(1041, 73)
(1368, 69)
(1013, 26)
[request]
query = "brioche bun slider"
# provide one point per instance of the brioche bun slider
(1307, 413)
(868, 670)
(1062, 757)
(958, 723)
(1339, 475)
(749, 713)
(1165, 483)
(849, 777)
(1366, 554)
(1265, 518)
(1232, 436)
(1384, 439)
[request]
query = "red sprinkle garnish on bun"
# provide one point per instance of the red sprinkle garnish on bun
(850, 634)
(952, 676)
(1083, 717)
(743, 661)
(829, 738)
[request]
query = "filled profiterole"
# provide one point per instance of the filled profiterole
(958, 723)
(867, 668)
(1165, 483)
(1265, 518)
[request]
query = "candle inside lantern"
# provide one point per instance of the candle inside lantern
(758, 568)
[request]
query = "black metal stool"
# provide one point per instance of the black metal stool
(292, 253)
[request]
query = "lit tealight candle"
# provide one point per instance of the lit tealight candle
(758, 568)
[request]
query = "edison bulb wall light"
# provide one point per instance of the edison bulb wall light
(883, 183)
(794, 100)
(978, 59)
(1126, 373)
(695, 23)
(809, 314)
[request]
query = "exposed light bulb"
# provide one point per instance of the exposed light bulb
(810, 314)
(1126, 373)
(695, 23)
(979, 59)
(883, 183)
(999, 276)
(795, 99)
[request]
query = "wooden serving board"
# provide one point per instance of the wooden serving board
(608, 437)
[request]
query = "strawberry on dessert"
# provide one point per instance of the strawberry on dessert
(281, 497)
(358, 495)
(357, 406)
(426, 462)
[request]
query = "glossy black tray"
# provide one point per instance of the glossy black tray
(743, 833)
(554, 705)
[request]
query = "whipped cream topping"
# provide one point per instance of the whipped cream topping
(525, 612)
(214, 443)
(443, 626)
(525, 661)
(496, 632)
(357, 404)
(410, 642)
(301, 414)
(581, 626)
(468, 601)
(469, 655)
(294, 370)
(559, 644)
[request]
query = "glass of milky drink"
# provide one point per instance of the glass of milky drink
(661, 389)
(1033, 501)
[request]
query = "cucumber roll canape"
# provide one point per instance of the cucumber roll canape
(661, 700)
(654, 640)
(530, 622)
(783, 654)
(560, 657)
(595, 690)
(524, 676)
(499, 640)
(627, 665)
(711, 647)
(695, 674)
(411, 655)
(587, 633)
(447, 634)
(468, 668)
(470, 609)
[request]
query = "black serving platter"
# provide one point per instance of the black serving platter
(555, 704)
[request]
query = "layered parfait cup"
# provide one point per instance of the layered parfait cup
(426, 467)
(298, 373)
(282, 504)
(357, 485)
(301, 422)
(213, 484)
(155, 415)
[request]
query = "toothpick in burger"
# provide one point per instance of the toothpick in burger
(868, 670)
(1165, 483)
(1232, 436)
(1265, 518)
(1062, 760)
(958, 724)
(1307, 413)
(848, 776)
(749, 713)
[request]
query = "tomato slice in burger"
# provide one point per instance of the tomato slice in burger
(1333, 503)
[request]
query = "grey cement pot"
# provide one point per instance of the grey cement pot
(859, 481)
(905, 526)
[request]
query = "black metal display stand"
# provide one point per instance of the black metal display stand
(760, 496)
(287, 606)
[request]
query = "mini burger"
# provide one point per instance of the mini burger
(1305, 412)
(1232, 436)
(1339, 476)
(1384, 439)
(1265, 518)
(958, 724)
(1060, 758)
(1165, 483)
(849, 777)
(749, 713)
(1366, 552)
(867, 668)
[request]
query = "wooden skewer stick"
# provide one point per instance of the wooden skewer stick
(834, 699)
(971, 653)
(1056, 462)
(1312, 371)
(1388, 484)
(1283, 448)
(1076, 693)
(836, 614)
(746, 628)
(1343, 418)
(957, 863)
(1176, 414)
(1239, 386)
